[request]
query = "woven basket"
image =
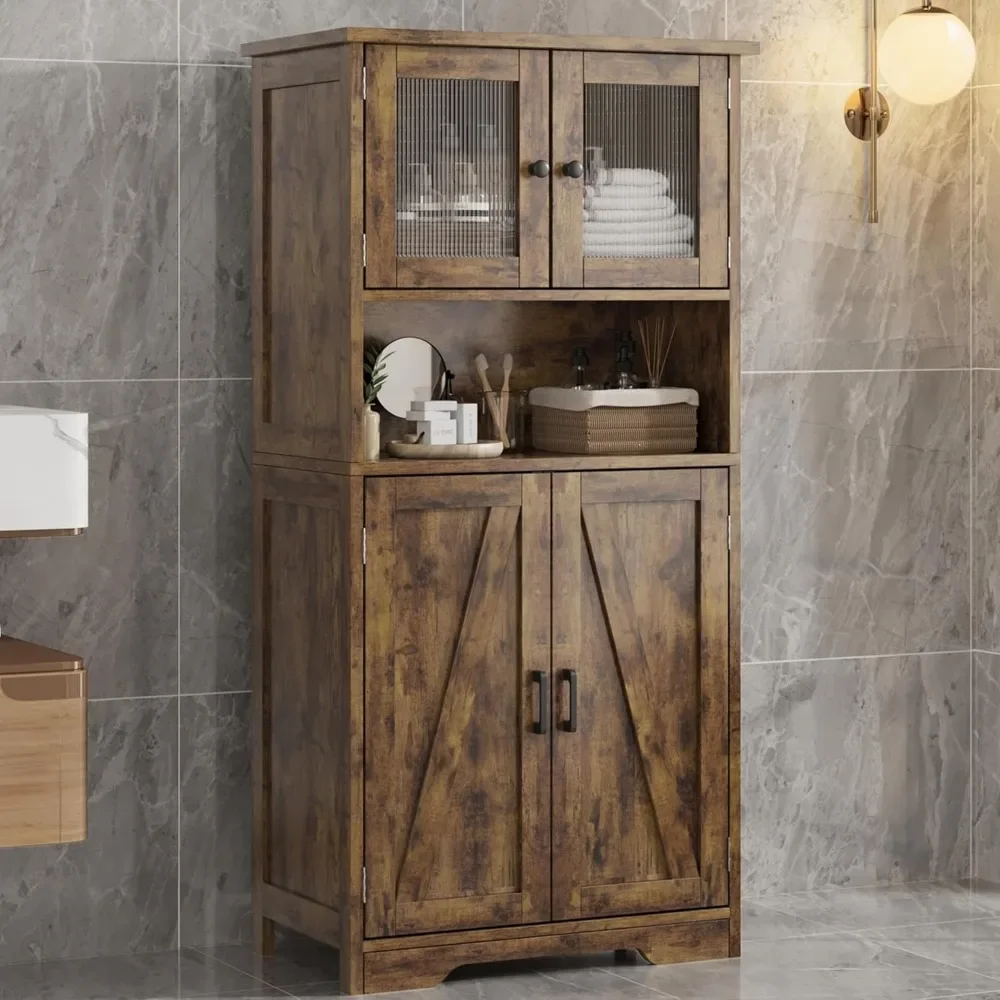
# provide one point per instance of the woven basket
(616, 430)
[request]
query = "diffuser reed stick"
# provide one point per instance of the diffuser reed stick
(656, 346)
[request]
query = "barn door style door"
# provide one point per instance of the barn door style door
(457, 171)
(640, 663)
(457, 717)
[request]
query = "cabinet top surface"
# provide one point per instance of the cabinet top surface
(403, 36)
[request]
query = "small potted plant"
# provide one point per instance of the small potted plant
(375, 376)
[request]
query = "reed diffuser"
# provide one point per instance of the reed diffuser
(656, 346)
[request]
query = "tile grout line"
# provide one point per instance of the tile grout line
(249, 975)
(845, 659)
(168, 697)
(123, 381)
(169, 64)
(972, 451)
(859, 935)
(180, 834)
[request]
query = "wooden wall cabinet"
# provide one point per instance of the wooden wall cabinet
(496, 703)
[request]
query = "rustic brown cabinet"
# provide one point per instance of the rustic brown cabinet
(496, 701)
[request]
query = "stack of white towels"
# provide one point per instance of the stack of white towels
(628, 212)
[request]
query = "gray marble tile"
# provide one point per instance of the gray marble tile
(883, 906)
(215, 820)
(816, 41)
(855, 514)
(297, 962)
(117, 891)
(677, 18)
(986, 233)
(109, 595)
(971, 945)
(986, 774)
(173, 974)
(986, 509)
(215, 222)
(214, 30)
(763, 922)
(143, 30)
(822, 967)
(986, 31)
(823, 289)
(88, 266)
(855, 772)
(215, 515)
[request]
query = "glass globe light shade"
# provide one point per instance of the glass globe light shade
(927, 55)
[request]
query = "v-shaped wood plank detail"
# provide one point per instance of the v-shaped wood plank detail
(634, 670)
(471, 650)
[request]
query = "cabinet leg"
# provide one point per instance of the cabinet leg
(352, 973)
(263, 934)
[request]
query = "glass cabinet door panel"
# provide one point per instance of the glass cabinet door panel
(649, 208)
(450, 200)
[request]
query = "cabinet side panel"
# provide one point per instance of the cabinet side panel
(304, 680)
(308, 261)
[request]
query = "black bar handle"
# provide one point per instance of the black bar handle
(541, 678)
(569, 726)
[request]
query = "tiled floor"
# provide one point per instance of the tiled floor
(913, 942)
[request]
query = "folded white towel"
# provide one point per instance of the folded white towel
(659, 250)
(630, 176)
(652, 202)
(627, 215)
(678, 227)
(626, 190)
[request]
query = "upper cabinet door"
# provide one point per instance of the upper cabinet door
(640, 656)
(457, 735)
(640, 170)
(457, 167)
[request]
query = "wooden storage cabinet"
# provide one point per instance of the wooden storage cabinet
(496, 702)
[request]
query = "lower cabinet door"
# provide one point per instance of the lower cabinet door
(640, 663)
(457, 702)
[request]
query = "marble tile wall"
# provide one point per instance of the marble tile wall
(124, 289)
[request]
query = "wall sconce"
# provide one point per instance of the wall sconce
(928, 56)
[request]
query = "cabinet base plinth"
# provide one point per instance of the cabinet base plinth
(661, 943)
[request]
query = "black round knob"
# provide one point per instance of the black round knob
(540, 168)
(573, 169)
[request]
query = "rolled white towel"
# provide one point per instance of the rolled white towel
(629, 176)
(652, 202)
(677, 227)
(626, 190)
(626, 215)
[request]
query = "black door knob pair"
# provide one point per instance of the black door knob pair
(541, 168)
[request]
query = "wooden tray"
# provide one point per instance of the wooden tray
(484, 449)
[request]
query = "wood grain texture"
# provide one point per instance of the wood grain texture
(567, 294)
(713, 173)
(306, 629)
(735, 222)
(554, 928)
(735, 664)
(380, 166)
(307, 266)
(567, 192)
(453, 63)
(458, 272)
(621, 272)
(43, 754)
(517, 40)
(638, 803)
(302, 915)
(420, 968)
(447, 739)
(518, 463)
(20, 657)
(535, 193)
(636, 68)
(300, 69)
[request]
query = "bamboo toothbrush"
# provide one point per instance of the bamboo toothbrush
(482, 366)
(508, 367)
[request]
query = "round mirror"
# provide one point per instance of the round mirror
(414, 370)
